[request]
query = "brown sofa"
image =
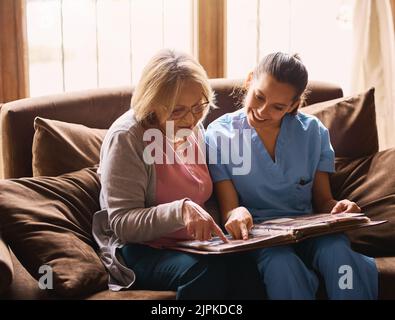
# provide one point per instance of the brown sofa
(98, 109)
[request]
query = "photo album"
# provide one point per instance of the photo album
(280, 231)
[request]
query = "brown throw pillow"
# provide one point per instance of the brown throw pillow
(48, 221)
(61, 147)
(370, 183)
(351, 122)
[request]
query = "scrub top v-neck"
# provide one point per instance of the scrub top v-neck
(258, 145)
(267, 187)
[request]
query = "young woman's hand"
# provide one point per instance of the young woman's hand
(345, 206)
(200, 225)
(239, 223)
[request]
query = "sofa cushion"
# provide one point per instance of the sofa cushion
(351, 122)
(386, 269)
(48, 221)
(24, 286)
(6, 267)
(370, 183)
(61, 147)
(133, 295)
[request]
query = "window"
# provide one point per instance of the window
(75, 45)
(320, 31)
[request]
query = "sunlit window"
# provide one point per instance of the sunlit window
(320, 31)
(76, 45)
(80, 44)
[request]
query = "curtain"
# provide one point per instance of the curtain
(393, 11)
(13, 51)
(374, 62)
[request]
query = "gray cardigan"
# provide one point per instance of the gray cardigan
(127, 199)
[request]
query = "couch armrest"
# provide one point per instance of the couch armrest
(6, 267)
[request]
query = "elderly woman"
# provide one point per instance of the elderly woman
(153, 192)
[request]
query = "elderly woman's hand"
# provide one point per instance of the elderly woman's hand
(200, 225)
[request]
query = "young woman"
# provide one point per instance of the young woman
(289, 155)
(155, 182)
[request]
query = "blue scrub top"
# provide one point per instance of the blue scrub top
(265, 187)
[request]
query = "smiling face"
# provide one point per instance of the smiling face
(268, 101)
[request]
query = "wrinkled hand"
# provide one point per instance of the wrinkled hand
(345, 206)
(239, 223)
(200, 225)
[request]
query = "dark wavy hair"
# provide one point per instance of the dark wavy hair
(288, 69)
(284, 68)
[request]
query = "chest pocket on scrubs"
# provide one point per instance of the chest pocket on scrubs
(303, 195)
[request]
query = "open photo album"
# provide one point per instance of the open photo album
(280, 231)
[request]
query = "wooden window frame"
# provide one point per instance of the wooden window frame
(210, 36)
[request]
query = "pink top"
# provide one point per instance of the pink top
(175, 181)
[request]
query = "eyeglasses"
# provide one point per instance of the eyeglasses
(180, 112)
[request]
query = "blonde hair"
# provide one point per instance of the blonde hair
(161, 81)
